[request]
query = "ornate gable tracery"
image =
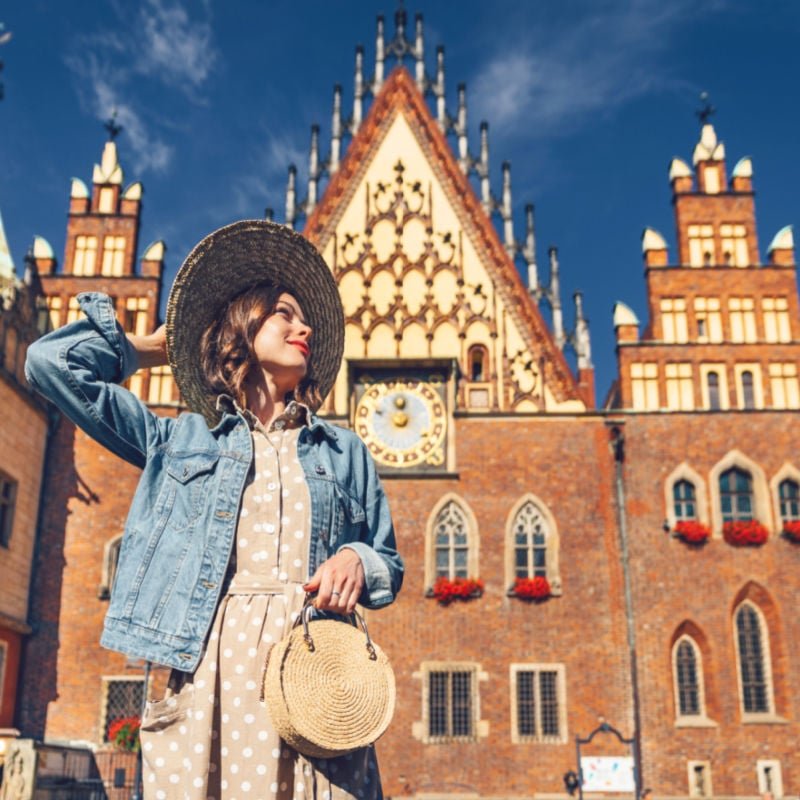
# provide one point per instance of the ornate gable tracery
(395, 257)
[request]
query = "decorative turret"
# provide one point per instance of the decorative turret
(709, 161)
(554, 295)
(781, 249)
(7, 271)
(654, 248)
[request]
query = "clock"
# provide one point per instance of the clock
(403, 422)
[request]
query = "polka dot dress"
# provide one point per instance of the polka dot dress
(211, 736)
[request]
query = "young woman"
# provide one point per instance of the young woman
(245, 503)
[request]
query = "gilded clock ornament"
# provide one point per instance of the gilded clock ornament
(403, 422)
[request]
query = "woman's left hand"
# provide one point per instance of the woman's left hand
(338, 582)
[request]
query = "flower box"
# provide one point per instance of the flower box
(692, 531)
(791, 530)
(744, 533)
(123, 733)
(536, 588)
(445, 590)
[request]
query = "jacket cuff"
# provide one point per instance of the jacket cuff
(377, 579)
(100, 312)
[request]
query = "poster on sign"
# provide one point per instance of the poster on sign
(607, 774)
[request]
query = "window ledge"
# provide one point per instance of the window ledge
(695, 722)
(764, 719)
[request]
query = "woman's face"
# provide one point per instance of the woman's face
(282, 345)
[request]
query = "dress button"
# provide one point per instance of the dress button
(271, 487)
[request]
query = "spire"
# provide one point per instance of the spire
(358, 91)
(336, 130)
(529, 251)
(505, 210)
(291, 196)
(441, 114)
(555, 299)
(112, 126)
(419, 54)
(460, 129)
(482, 169)
(581, 340)
(313, 170)
(380, 55)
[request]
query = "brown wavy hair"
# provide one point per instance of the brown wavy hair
(226, 347)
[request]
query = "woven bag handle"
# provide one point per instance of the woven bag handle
(355, 618)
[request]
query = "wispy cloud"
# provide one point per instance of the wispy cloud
(596, 62)
(162, 43)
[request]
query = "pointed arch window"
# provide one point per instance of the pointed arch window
(688, 678)
(684, 500)
(789, 500)
(532, 544)
(736, 495)
(752, 648)
(478, 363)
(451, 542)
(748, 390)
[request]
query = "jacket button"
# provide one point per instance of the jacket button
(209, 585)
(185, 656)
(320, 469)
(185, 471)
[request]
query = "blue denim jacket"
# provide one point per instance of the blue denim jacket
(180, 530)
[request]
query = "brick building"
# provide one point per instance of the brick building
(449, 368)
(25, 431)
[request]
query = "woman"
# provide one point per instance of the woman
(245, 504)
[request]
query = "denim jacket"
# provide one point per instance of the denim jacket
(180, 529)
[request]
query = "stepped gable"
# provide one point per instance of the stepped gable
(400, 95)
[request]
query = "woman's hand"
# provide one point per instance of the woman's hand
(151, 350)
(338, 582)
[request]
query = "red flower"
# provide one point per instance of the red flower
(692, 531)
(124, 733)
(744, 532)
(445, 589)
(791, 529)
(536, 588)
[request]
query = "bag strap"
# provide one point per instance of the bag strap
(355, 618)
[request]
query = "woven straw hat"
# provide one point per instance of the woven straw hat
(223, 265)
(330, 691)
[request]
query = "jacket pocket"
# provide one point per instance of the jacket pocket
(185, 492)
(348, 518)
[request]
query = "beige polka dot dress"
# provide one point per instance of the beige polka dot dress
(211, 736)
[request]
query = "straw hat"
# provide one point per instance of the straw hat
(223, 265)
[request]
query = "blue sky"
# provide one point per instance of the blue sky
(588, 99)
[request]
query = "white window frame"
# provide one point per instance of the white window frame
(709, 310)
(674, 326)
(761, 495)
(701, 242)
(679, 380)
(684, 472)
(758, 388)
(473, 538)
(787, 470)
(774, 766)
(644, 386)
(742, 320)
(733, 237)
(755, 716)
(700, 719)
(561, 693)
(777, 325)
(551, 543)
(784, 385)
(724, 397)
(691, 769)
(480, 728)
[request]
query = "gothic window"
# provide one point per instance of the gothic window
(532, 543)
(538, 703)
(478, 363)
(451, 549)
(688, 678)
(789, 500)
(122, 698)
(684, 500)
(736, 495)
(784, 386)
(8, 499)
(754, 669)
(105, 204)
(699, 779)
(712, 385)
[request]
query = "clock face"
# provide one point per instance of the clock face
(403, 422)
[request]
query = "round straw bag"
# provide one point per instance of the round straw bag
(328, 687)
